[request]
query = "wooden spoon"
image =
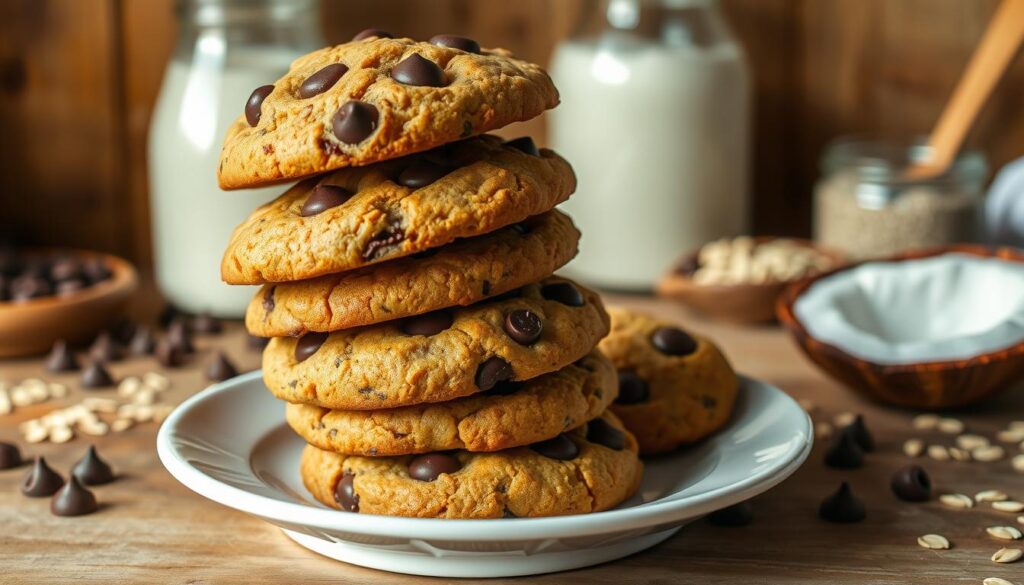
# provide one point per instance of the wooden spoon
(990, 60)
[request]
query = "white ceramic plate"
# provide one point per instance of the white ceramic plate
(230, 443)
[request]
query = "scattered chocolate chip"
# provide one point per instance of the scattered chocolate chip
(422, 173)
(602, 432)
(69, 287)
(524, 144)
(28, 287)
(842, 506)
(372, 32)
(739, 514)
(427, 324)
(96, 269)
(41, 481)
(180, 335)
(105, 348)
(96, 376)
(10, 455)
(62, 358)
(322, 80)
(66, 268)
(560, 447)
(167, 315)
(912, 484)
(324, 197)
(308, 344)
(91, 470)
(523, 326)
(382, 241)
(142, 342)
(562, 292)
(492, 371)
(345, 493)
(257, 342)
(254, 105)
(861, 434)
(688, 266)
(428, 467)
(673, 341)
(168, 354)
(206, 324)
(221, 368)
(456, 42)
(354, 121)
(124, 331)
(73, 500)
(416, 70)
(844, 452)
(632, 389)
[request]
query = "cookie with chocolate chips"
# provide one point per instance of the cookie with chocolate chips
(510, 415)
(355, 217)
(574, 473)
(376, 99)
(675, 387)
(437, 356)
(459, 274)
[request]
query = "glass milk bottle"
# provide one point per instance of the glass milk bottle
(655, 120)
(225, 49)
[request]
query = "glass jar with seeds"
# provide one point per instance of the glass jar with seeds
(865, 206)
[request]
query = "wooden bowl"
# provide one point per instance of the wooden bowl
(31, 327)
(935, 385)
(745, 304)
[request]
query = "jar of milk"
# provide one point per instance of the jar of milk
(225, 49)
(655, 119)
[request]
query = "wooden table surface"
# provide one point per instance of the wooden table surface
(151, 529)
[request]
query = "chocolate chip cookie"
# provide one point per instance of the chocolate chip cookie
(442, 355)
(359, 216)
(588, 469)
(675, 387)
(509, 415)
(461, 273)
(376, 99)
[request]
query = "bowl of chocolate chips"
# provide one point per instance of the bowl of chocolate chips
(50, 294)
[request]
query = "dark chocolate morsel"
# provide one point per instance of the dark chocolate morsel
(308, 344)
(379, 243)
(322, 80)
(221, 368)
(69, 287)
(324, 197)
(61, 358)
(492, 371)
(10, 455)
(254, 105)
(912, 484)
(66, 268)
(105, 348)
(142, 342)
(603, 433)
(168, 354)
(28, 286)
(372, 32)
(257, 342)
(844, 452)
(560, 447)
(427, 324)
(206, 324)
(842, 506)
(524, 144)
(167, 315)
(562, 292)
(739, 514)
(354, 121)
(428, 467)
(180, 335)
(73, 500)
(91, 470)
(456, 42)
(632, 389)
(523, 326)
(96, 270)
(673, 341)
(861, 434)
(416, 70)
(41, 481)
(422, 173)
(345, 493)
(96, 376)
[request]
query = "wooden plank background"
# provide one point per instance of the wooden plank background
(78, 79)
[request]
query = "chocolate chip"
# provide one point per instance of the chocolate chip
(383, 240)
(422, 173)
(428, 467)
(602, 432)
(324, 197)
(96, 270)
(560, 447)
(61, 358)
(372, 32)
(308, 344)
(66, 268)
(524, 144)
(491, 372)
(206, 324)
(254, 105)
(912, 484)
(354, 121)
(27, 287)
(632, 389)
(221, 368)
(456, 42)
(416, 70)
(142, 342)
(673, 341)
(427, 324)
(842, 506)
(844, 453)
(523, 326)
(562, 292)
(41, 481)
(345, 493)
(96, 376)
(105, 348)
(73, 500)
(69, 287)
(322, 80)
(10, 455)
(168, 354)
(257, 342)
(167, 315)
(180, 335)
(739, 514)
(91, 470)
(861, 434)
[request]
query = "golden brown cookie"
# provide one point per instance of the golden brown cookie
(461, 273)
(359, 216)
(372, 100)
(588, 469)
(675, 388)
(510, 415)
(439, 356)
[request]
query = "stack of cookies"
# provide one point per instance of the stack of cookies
(428, 357)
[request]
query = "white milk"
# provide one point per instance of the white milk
(658, 136)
